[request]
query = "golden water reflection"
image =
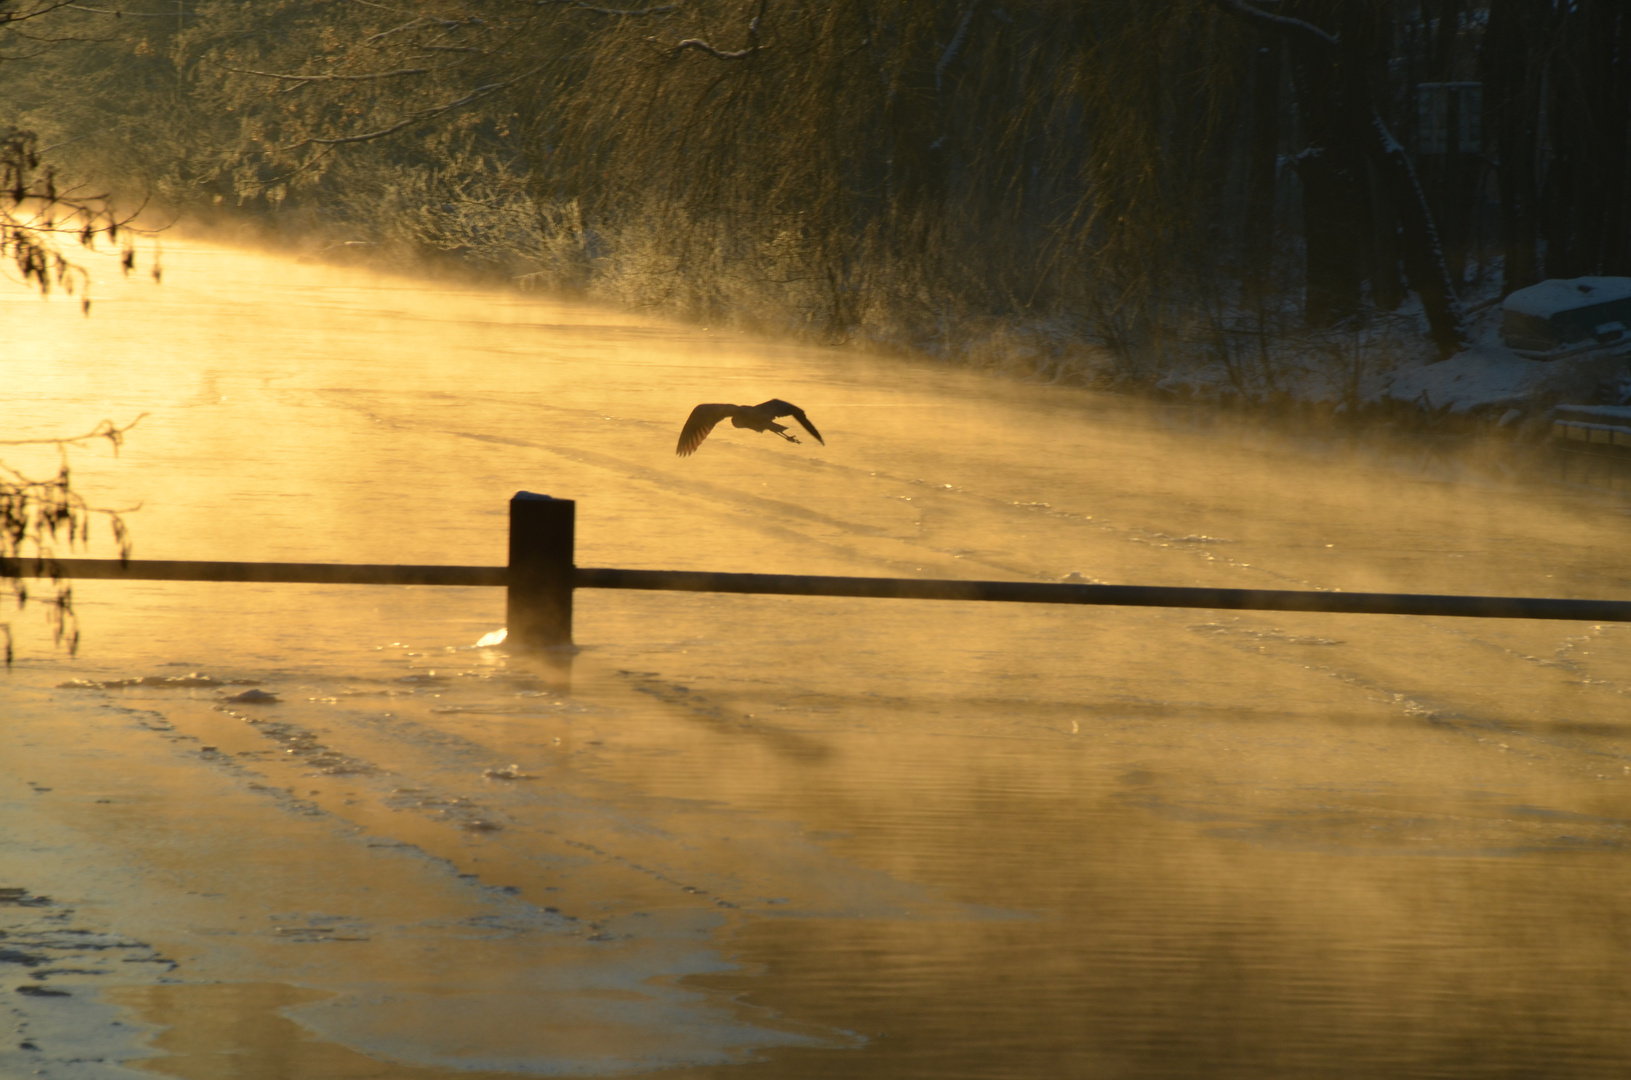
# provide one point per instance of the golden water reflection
(809, 837)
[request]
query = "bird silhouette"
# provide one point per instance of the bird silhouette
(760, 417)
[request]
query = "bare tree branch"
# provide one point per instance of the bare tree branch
(133, 14)
(719, 54)
(33, 208)
(1306, 30)
(414, 24)
(580, 6)
(300, 82)
(956, 43)
(107, 429)
(419, 117)
(45, 7)
(332, 78)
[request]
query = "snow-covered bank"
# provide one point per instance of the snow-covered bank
(1387, 368)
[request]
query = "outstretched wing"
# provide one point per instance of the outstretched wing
(698, 424)
(778, 408)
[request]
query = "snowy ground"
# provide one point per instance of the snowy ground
(1492, 380)
(1394, 365)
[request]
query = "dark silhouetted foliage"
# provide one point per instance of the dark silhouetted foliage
(1218, 177)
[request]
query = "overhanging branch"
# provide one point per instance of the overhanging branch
(370, 77)
(579, 5)
(1283, 23)
(699, 45)
(718, 54)
(419, 117)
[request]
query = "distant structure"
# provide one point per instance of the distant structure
(760, 417)
(1559, 318)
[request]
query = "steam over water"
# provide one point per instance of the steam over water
(770, 836)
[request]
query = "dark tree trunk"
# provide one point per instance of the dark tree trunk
(1368, 36)
(1331, 235)
(1560, 183)
(1616, 45)
(1387, 287)
(1585, 218)
(1348, 124)
(1511, 110)
(1263, 165)
(1601, 215)
(1423, 256)
(1453, 178)
(1335, 203)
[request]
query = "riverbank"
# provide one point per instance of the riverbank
(1384, 375)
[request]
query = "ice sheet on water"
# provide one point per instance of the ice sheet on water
(164, 682)
(253, 697)
(1262, 634)
(508, 772)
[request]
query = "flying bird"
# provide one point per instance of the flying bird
(758, 417)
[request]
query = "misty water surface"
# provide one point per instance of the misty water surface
(797, 837)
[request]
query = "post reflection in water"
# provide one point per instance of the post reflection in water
(551, 667)
(798, 837)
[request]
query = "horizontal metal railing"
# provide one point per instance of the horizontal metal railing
(273, 572)
(541, 578)
(1027, 592)
(1016, 592)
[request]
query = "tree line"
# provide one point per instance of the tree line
(1233, 177)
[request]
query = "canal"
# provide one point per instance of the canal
(767, 836)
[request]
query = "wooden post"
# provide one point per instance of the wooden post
(538, 610)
